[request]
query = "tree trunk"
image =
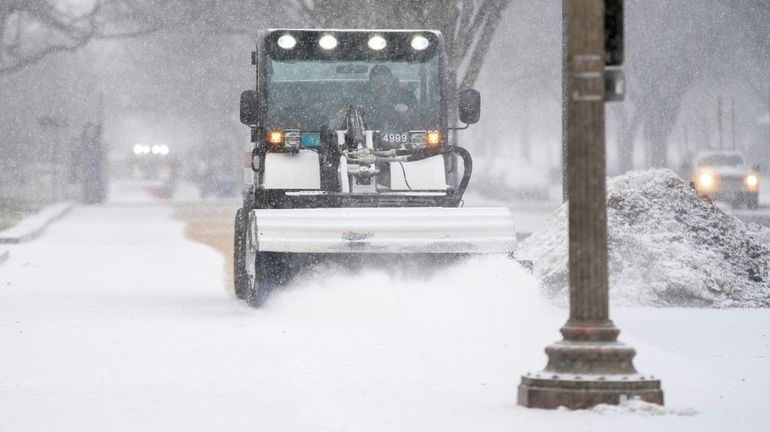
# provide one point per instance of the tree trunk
(525, 143)
(626, 146)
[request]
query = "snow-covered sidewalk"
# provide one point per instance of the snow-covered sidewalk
(114, 321)
(34, 225)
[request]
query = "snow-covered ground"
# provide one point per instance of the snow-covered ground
(114, 321)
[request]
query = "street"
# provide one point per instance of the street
(113, 320)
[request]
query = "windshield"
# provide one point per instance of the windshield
(394, 96)
(721, 160)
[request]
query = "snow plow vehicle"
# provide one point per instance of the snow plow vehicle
(351, 157)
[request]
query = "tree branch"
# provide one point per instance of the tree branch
(40, 55)
(483, 44)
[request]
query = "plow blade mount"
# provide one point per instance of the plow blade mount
(384, 230)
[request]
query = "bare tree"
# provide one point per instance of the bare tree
(467, 25)
(665, 61)
(31, 30)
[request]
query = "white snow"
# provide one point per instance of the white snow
(667, 246)
(113, 321)
(32, 226)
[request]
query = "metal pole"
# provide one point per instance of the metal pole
(586, 170)
(589, 366)
(564, 130)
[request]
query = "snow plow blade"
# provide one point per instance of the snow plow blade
(432, 230)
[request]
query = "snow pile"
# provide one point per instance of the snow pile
(667, 247)
(642, 408)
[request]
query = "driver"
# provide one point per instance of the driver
(388, 102)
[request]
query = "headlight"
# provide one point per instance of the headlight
(706, 180)
(287, 41)
(752, 180)
(423, 139)
(433, 139)
(420, 43)
(377, 42)
(417, 139)
(292, 138)
(327, 42)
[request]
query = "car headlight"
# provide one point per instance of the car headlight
(706, 180)
(752, 180)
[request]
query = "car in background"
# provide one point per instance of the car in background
(155, 165)
(724, 175)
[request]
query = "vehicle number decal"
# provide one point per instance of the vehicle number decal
(395, 138)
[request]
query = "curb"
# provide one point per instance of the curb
(31, 227)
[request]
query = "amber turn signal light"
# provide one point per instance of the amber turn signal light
(433, 138)
(275, 137)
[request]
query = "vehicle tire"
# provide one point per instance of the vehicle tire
(240, 276)
(269, 268)
(264, 270)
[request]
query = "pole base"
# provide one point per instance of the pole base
(589, 367)
(550, 391)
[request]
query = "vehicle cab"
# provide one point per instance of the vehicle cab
(354, 118)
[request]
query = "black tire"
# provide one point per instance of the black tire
(270, 272)
(240, 276)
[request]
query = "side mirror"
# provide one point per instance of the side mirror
(470, 106)
(249, 107)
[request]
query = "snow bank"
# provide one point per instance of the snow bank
(642, 408)
(32, 226)
(667, 247)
